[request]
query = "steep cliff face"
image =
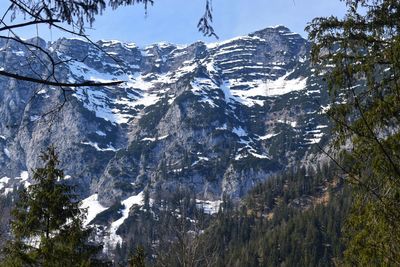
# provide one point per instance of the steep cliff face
(216, 118)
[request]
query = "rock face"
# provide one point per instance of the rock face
(216, 118)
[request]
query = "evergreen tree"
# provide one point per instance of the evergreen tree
(295, 235)
(360, 56)
(47, 222)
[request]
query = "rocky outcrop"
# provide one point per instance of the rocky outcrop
(216, 118)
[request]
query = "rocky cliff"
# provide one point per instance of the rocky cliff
(215, 118)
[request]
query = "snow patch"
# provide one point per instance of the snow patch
(84, 72)
(34, 118)
(232, 96)
(7, 153)
(325, 109)
(152, 139)
(259, 155)
(3, 182)
(24, 176)
(267, 136)
(291, 123)
(239, 131)
(98, 102)
(224, 127)
(101, 133)
(321, 126)
(270, 88)
(315, 139)
(93, 207)
(209, 207)
(8, 190)
(103, 105)
(114, 238)
(240, 38)
(96, 146)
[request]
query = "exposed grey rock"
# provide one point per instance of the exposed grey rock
(217, 118)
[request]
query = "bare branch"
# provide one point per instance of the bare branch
(40, 81)
(34, 22)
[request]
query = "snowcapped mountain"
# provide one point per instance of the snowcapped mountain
(216, 118)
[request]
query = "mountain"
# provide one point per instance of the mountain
(215, 118)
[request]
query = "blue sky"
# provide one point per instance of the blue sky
(175, 20)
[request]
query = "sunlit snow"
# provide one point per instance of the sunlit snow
(96, 146)
(113, 239)
(24, 176)
(3, 182)
(209, 206)
(277, 87)
(93, 207)
(7, 153)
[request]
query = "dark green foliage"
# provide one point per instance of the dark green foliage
(165, 231)
(361, 56)
(256, 163)
(138, 259)
(294, 219)
(47, 222)
(273, 228)
(6, 203)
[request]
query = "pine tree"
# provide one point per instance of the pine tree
(47, 222)
(359, 55)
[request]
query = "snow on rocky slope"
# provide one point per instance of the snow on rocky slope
(217, 118)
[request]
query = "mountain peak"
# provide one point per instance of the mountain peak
(278, 29)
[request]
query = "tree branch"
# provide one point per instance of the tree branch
(41, 81)
(34, 22)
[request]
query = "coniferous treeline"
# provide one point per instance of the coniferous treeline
(166, 228)
(294, 219)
